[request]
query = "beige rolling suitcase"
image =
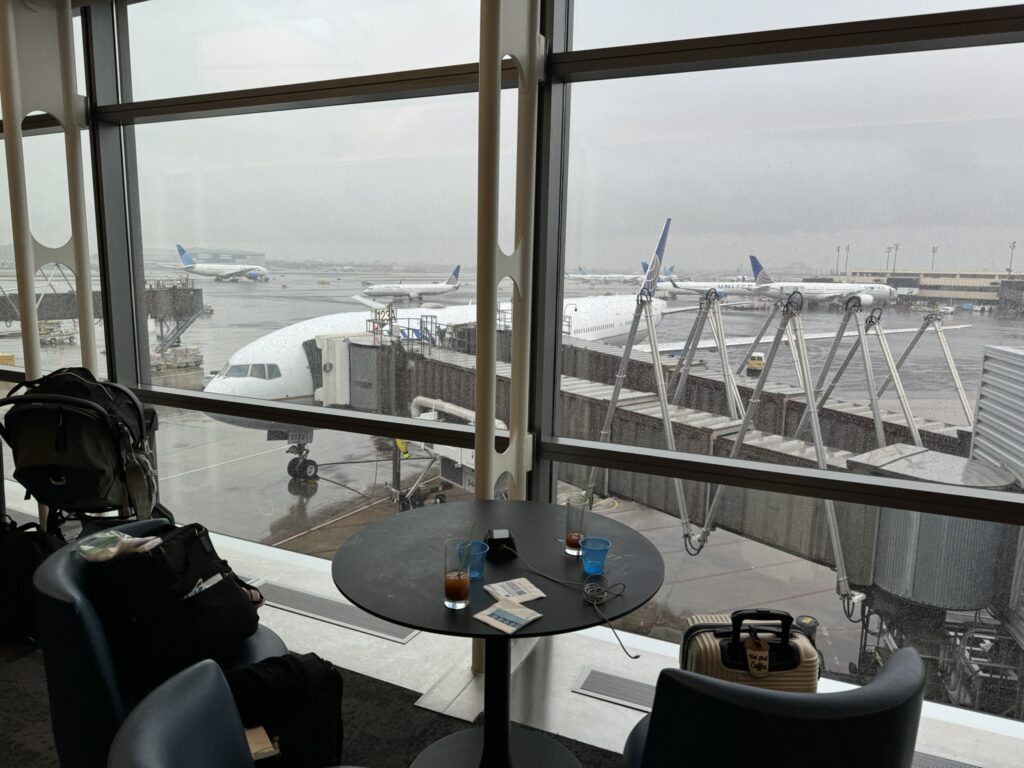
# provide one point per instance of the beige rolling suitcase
(754, 647)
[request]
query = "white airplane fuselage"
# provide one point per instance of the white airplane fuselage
(408, 290)
(723, 288)
(828, 291)
(228, 271)
(249, 371)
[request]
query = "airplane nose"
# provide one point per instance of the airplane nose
(220, 386)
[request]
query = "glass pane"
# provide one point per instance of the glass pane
(600, 23)
(904, 201)
(953, 589)
(49, 216)
(195, 46)
(282, 239)
(305, 490)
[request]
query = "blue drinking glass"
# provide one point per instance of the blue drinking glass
(474, 557)
(595, 551)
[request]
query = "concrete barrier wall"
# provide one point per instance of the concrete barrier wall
(791, 523)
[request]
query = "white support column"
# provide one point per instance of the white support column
(37, 73)
(506, 27)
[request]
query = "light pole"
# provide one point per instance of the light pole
(935, 249)
(895, 253)
(1013, 246)
(846, 266)
(888, 250)
(837, 261)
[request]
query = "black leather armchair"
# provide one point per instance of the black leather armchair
(190, 720)
(698, 720)
(87, 701)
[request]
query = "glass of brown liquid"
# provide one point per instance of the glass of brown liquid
(456, 573)
(576, 508)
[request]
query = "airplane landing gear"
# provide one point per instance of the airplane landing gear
(302, 467)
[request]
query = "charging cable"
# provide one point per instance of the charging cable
(595, 594)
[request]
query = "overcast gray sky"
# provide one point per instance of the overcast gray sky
(786, 161)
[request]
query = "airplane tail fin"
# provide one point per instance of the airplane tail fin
(453, 278)
(651, 274)
(581, 271)
(761, 276)
(185, 256)
(670, 271)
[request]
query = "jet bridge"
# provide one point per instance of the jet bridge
(173, 305)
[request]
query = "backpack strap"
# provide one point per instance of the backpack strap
(137, 442)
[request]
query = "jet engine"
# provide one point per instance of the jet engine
(866, 299)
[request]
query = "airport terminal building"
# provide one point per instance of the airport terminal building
(979, 289)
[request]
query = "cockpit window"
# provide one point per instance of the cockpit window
(273, 372)
(237, 372)
(258, 371)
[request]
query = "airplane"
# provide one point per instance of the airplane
(276, 366)
(721, 287)
(415, 291)
(581, 275)
(868, 293)
(221, 272)
(664, 277)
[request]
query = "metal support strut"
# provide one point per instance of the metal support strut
(852, 312)
(643, 308)
(934, 320)
(710, 312)
(791, 322)
(874, 322)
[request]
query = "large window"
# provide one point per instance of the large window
(300, 233)
(238, 477)
(600, 23)
(181, 48)
(948, 587)
(817, 170)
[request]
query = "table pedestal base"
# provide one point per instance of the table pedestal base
(464, 749)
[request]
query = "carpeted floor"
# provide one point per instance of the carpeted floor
(383, 727)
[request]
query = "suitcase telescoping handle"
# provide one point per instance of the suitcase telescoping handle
(761, 614)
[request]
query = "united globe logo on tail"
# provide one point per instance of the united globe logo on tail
(651, 278)
(761, 276)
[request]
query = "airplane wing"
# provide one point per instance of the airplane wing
(746, 341)
(236, 273)
(368, 302)
(695, 307)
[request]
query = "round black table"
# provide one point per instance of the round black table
(393, 569)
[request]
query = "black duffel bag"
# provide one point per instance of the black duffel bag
(22, 549)
(167, 608)
(296, 698)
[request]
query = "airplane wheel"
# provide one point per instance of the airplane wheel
(293, 467)
(308, 469)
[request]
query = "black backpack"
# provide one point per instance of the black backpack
(82, 446)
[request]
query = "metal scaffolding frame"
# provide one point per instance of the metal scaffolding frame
(643, 309)
(790, 327)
